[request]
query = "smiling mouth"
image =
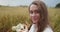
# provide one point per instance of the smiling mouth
(35, 18)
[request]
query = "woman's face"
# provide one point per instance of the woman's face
(34, 13)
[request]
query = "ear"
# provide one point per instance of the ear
(27, 24)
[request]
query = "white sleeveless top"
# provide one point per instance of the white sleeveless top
(34, 29)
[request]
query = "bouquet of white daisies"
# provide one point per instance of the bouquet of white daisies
(20, 28)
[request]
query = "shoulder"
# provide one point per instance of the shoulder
(48, 29)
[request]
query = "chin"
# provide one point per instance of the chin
(35, 21)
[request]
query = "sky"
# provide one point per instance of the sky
(49, 3)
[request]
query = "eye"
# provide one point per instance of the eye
(24, 27)
(37, 11)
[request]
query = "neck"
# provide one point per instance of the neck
(35, 25)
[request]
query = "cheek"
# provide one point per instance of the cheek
(30, 15)
(37, 15)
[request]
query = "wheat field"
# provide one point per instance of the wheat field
(10, 16)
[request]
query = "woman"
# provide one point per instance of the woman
(39, 17)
